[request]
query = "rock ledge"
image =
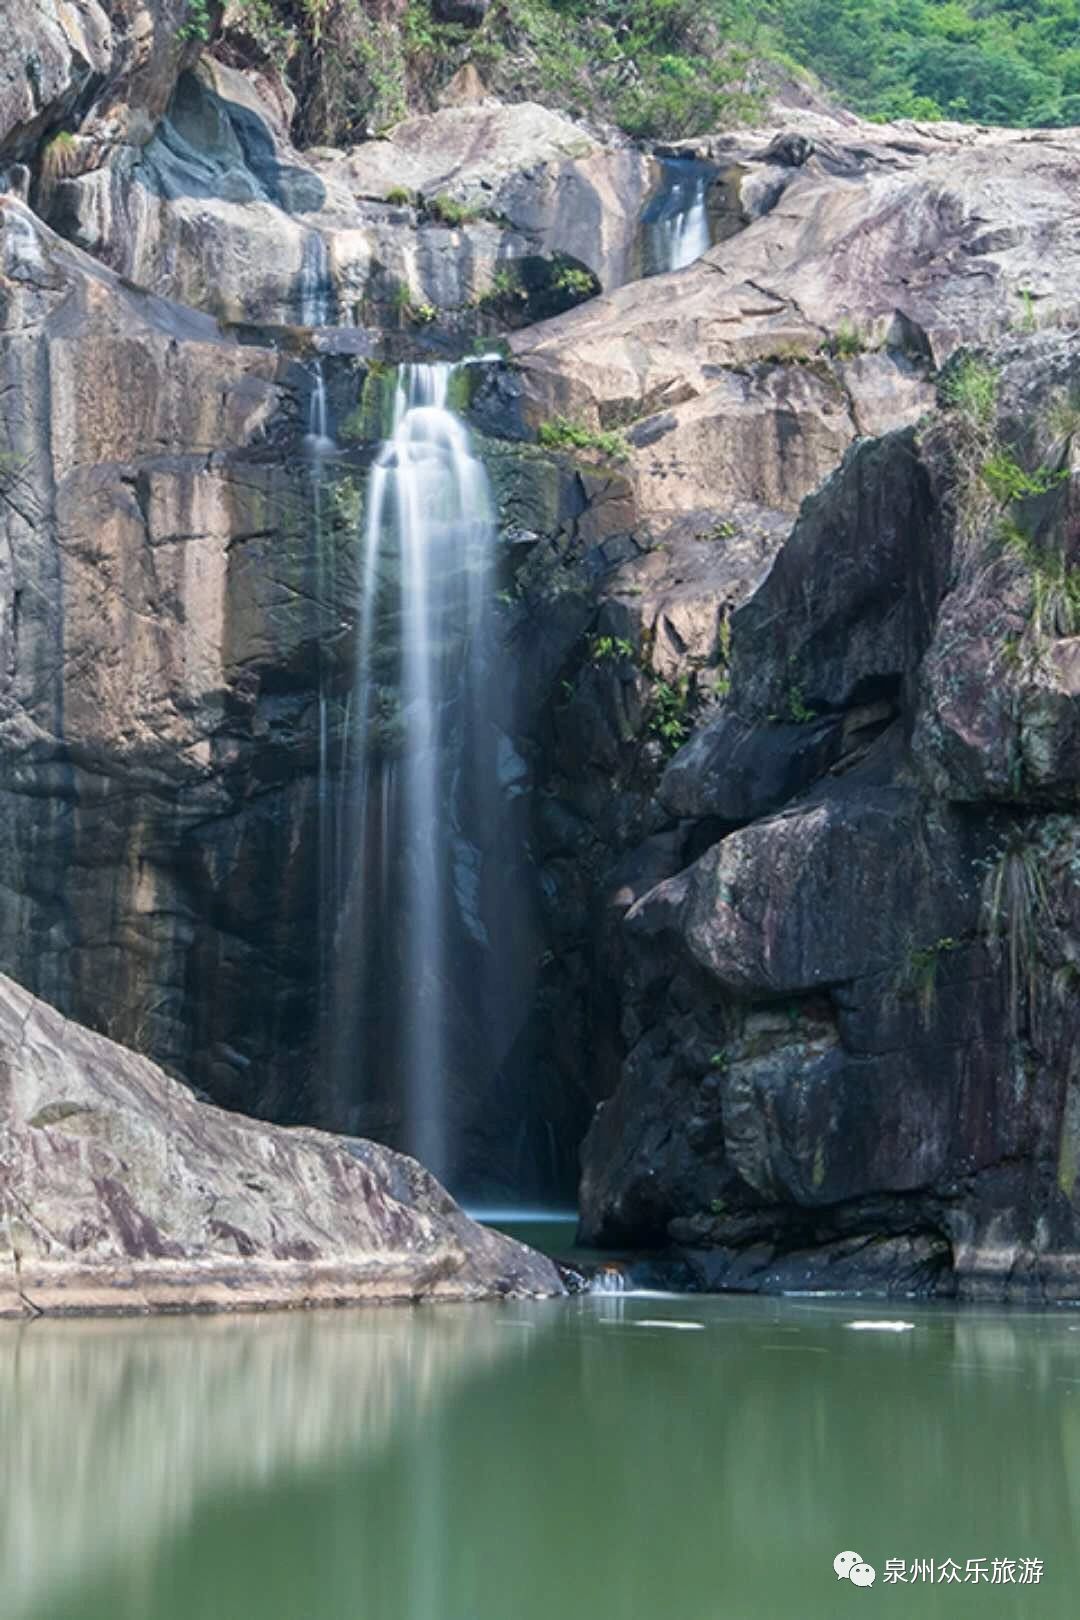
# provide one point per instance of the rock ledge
(121, 1193)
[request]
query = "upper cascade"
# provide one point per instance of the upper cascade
(677, 230)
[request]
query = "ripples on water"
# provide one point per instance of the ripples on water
(583, 1460)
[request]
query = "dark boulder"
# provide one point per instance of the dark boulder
(470, 13)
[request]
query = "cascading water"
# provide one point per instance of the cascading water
(319, 442)
(414, 951)
(316, 305)
(676, 223)
(315, 286)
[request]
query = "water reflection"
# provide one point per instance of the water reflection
(575, 1459)
(116, 1435)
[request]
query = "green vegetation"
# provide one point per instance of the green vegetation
(969, 387)
(542, 287)
(59, 157)
(968, 392)
(196, 24)
(1008, 481)
(988, 61)
(574, 284)
(505, 288)
(659, 68)
(669, 68)
(421, 314)
(847, 341)
(610, 647)
(563, 434)
(723, 529)
(669, 712)
(1014, 906)
(991, 485)
(448, 211)
(921, 970)
(1055, 588)
(796, 709)
(401, 197)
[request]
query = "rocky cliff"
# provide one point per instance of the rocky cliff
(789, 748)
(851, 1020)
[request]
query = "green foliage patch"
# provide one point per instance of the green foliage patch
(984, 61)
(563, 434)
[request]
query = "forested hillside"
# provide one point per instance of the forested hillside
(666, 68)
(991, 61)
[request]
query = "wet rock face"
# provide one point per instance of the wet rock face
(120, 1192)
(160, 651)
(849, 1021)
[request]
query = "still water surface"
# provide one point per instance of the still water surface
(578, 1460)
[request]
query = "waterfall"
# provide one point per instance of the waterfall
(319, 441)
(315, 290)
(315, 304)
(412, 963)
(677, 220)
(609, 1279)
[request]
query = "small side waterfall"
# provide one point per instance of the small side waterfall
(319, 442)
(676, 223)
(315, 287)
(414, 946)
(609, 1279)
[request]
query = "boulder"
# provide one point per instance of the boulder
(470, 13)
(548, 178)
(848, 603)
(736, 771)
(108, 69)
(120, 1192)
(760, 911)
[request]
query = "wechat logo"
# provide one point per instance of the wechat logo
(849, 1566)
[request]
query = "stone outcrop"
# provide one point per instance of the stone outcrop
(850, 1022)
(217, 210)
(107, 67)
(851, 274)
(551, 181)
(120, 1192)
